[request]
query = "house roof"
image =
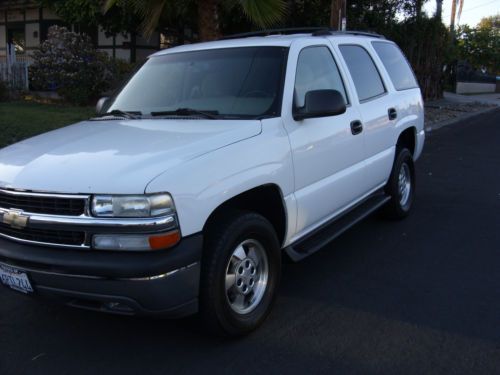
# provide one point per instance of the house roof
(17, 4)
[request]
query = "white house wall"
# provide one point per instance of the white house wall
(3, 37)
(120, 39)
(32, 35)
(121, 53)
(103, 40)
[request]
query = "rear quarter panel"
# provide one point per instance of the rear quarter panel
(408, 103)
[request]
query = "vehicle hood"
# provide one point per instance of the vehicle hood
(118, 156)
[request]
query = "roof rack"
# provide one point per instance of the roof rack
(347, 32)
(285, 31)
(314, 31)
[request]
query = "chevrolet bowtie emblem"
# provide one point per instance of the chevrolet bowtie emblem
(15, 219)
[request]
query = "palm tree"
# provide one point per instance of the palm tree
(263, 13)
(454, 15)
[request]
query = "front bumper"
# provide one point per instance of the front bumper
(164, 282)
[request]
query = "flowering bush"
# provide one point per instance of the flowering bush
(68, 63)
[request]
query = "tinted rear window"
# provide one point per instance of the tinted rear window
(363, 71)
(396, 65)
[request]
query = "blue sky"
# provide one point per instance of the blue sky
(472, 11)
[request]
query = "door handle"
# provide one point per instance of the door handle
(356, 127)
(393, 114)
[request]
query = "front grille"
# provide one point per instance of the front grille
(43, 204)
(59, 237)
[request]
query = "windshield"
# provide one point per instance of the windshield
(233, 82)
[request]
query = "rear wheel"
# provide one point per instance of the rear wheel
(401, 186)
(241, 269)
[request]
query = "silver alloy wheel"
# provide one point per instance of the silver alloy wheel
(247, 274)
(404, 184)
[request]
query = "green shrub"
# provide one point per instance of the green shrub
(4, 91)
(68, 63)
(122, 70)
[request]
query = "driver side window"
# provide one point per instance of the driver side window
(317, 70)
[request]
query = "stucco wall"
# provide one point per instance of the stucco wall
(474, 88)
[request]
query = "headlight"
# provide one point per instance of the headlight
(132, 205)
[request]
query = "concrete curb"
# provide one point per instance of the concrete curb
(440, 124)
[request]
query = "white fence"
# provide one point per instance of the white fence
(17, 76)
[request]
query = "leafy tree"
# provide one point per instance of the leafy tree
(89, 13)
(379, 16)
(262, 13)
(480, 46)
(492, 22)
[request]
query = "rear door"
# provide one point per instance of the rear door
(376, 105)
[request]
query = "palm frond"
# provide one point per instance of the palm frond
(264, 13)
(149, 11)
(107, 5)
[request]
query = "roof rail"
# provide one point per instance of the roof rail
(327, 31)
(315, 31)
(285, 31)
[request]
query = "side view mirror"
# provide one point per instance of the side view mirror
(320, 103)
(101, 104)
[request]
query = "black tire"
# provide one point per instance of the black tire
(222, 238)
(399, 208)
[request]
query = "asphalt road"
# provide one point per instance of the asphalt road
(421, 296)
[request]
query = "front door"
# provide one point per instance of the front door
(328, 155)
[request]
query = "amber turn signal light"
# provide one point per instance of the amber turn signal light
(165, 240)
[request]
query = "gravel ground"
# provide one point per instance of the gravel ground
(445, 110)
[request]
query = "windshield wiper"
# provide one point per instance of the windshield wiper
(187, 112)
(119, 112)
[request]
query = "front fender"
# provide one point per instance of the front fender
(201, 185)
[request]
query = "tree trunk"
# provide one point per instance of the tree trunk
(208, 20)
(453, 16)
(439, 8)
(337, 12)
(418, 8)
(460, 9)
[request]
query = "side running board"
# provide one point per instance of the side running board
(331, 230)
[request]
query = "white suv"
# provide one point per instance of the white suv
(210, 164)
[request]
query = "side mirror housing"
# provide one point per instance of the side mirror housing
(101, 104)
(320, 103)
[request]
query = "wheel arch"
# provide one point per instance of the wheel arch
(266, 200)
(408, 138)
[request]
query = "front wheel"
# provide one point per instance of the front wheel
(401, 186)
(241, 269)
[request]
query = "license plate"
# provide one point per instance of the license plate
(15, 279)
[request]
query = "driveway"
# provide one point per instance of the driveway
(419, 296)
